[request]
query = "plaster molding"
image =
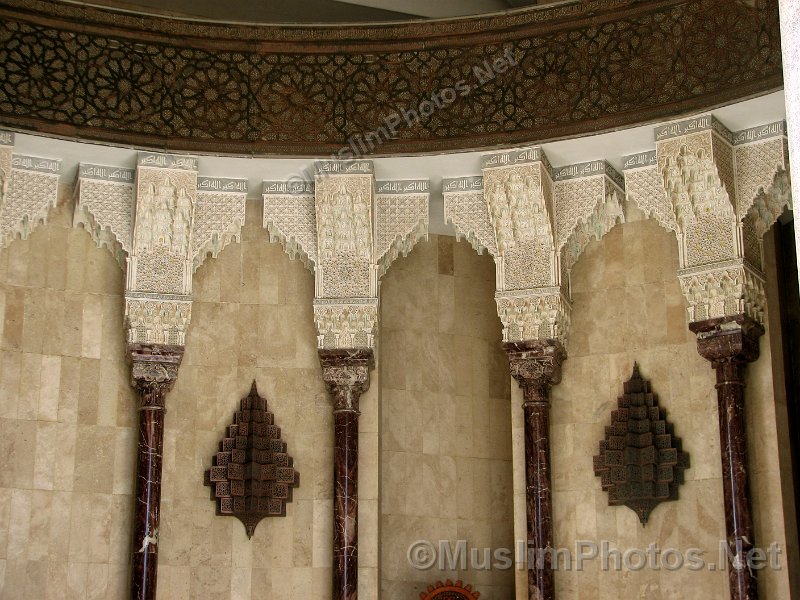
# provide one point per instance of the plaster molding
(725, 190)
(218, 218)
(161, 221)
(105, 202)
(466, 210)
(535, 221)
(401, 219)
(720, 291)
(346, 323)
(290, 218)
(348, 229)
(534, 314)
(28, 190)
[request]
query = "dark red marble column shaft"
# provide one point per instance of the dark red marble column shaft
(536, 365)
(730, 343)
(346, 374)
(345, 481)
(154, 368)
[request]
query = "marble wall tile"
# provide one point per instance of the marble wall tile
(59, 296)
(445, 437)
(439, 426)
(627, 306)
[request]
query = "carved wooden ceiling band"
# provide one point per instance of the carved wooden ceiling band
(79, 71)
(252, 477)
(640, 462)
(449, 591)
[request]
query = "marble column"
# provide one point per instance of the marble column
(729, 343)
(790, 33)
(154, 368)
(536, 365)
(346, 374)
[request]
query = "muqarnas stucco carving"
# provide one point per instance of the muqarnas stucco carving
(640, 463)
(253, 476)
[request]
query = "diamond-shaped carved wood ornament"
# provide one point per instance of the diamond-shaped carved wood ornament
(640, 462)
(252, 477)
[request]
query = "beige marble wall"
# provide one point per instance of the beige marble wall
(252, 319)
(66, 418)
(628, 307)
(445, 422)
(439, 421)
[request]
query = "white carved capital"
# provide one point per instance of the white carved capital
(542, 313)
(725, 191)
(722, 290)
(347, 228)
(157, 319)
(346, 323)
(536, 222)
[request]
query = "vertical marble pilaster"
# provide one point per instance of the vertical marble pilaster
(729, 343)
(154, 368)
(346, 375)
(536, 365)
